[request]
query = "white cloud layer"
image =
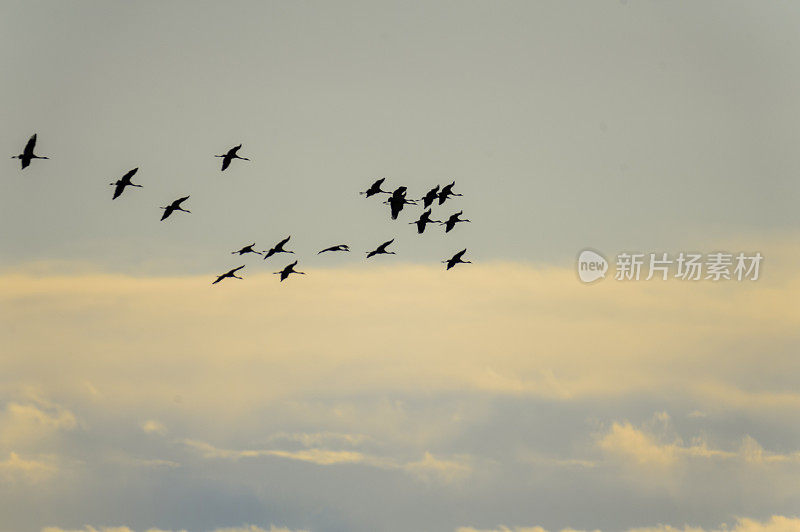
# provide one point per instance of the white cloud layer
(777, 523)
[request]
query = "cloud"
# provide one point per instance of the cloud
(502, 529)
(16, 468)
(152, 426)
(321, 438)
(776, 523)
(315, 456)
(443, 471)
(404, 375)
(246, 528)
(645, 449)
(253, 528)
(501, 328)
(33, 421)
(427, 469)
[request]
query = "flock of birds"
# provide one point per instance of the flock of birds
(397, 201)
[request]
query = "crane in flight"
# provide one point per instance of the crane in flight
(247, 249)
(231, 155)
(27, 154)
(284, 273)
(231, 273)
(452, 221)
(375, 188)
(278, 248)
(125, 181)
(340, 247)
(456, 259)
(381, 250)
(447, 192)
(424, 219)
(427, 199)
(174, 206)
(398, 200)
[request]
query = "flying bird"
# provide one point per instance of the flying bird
(231, 273)
(447, 192)
(428, 198)
(424, 220)
(452, 221)
(397, 201)
(278, 248)
(340, 247)
(381, 250)
(289, 270)
(247, 249)
(125, 181)
(456, 259)
(27, 154)
(231, 155)
(375, 188)
(174, 206)
(400, 192)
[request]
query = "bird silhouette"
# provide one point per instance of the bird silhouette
(381, 250)
(340, 247)
(231, 155)
(278, 248)
(424, 220)
(447, 192)
(400, 191)
(125, 181)
(456, 259)
(396, 204)
(428, 198)
(247, 249)
(452, 221)
(174, 206)
(375, 188)
(284, 273)
(27, 154)
(397, 201)
(231, 273)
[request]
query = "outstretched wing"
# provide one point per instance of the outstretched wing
(283, 242)
(118, 189)
(178, 201)
(385, 245)
(127, 177)
(226, 161)
(166, 214)
(28, 151)
(460, 254)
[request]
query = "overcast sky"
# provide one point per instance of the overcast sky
(388, 394)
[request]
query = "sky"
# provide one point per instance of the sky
(389, 394)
